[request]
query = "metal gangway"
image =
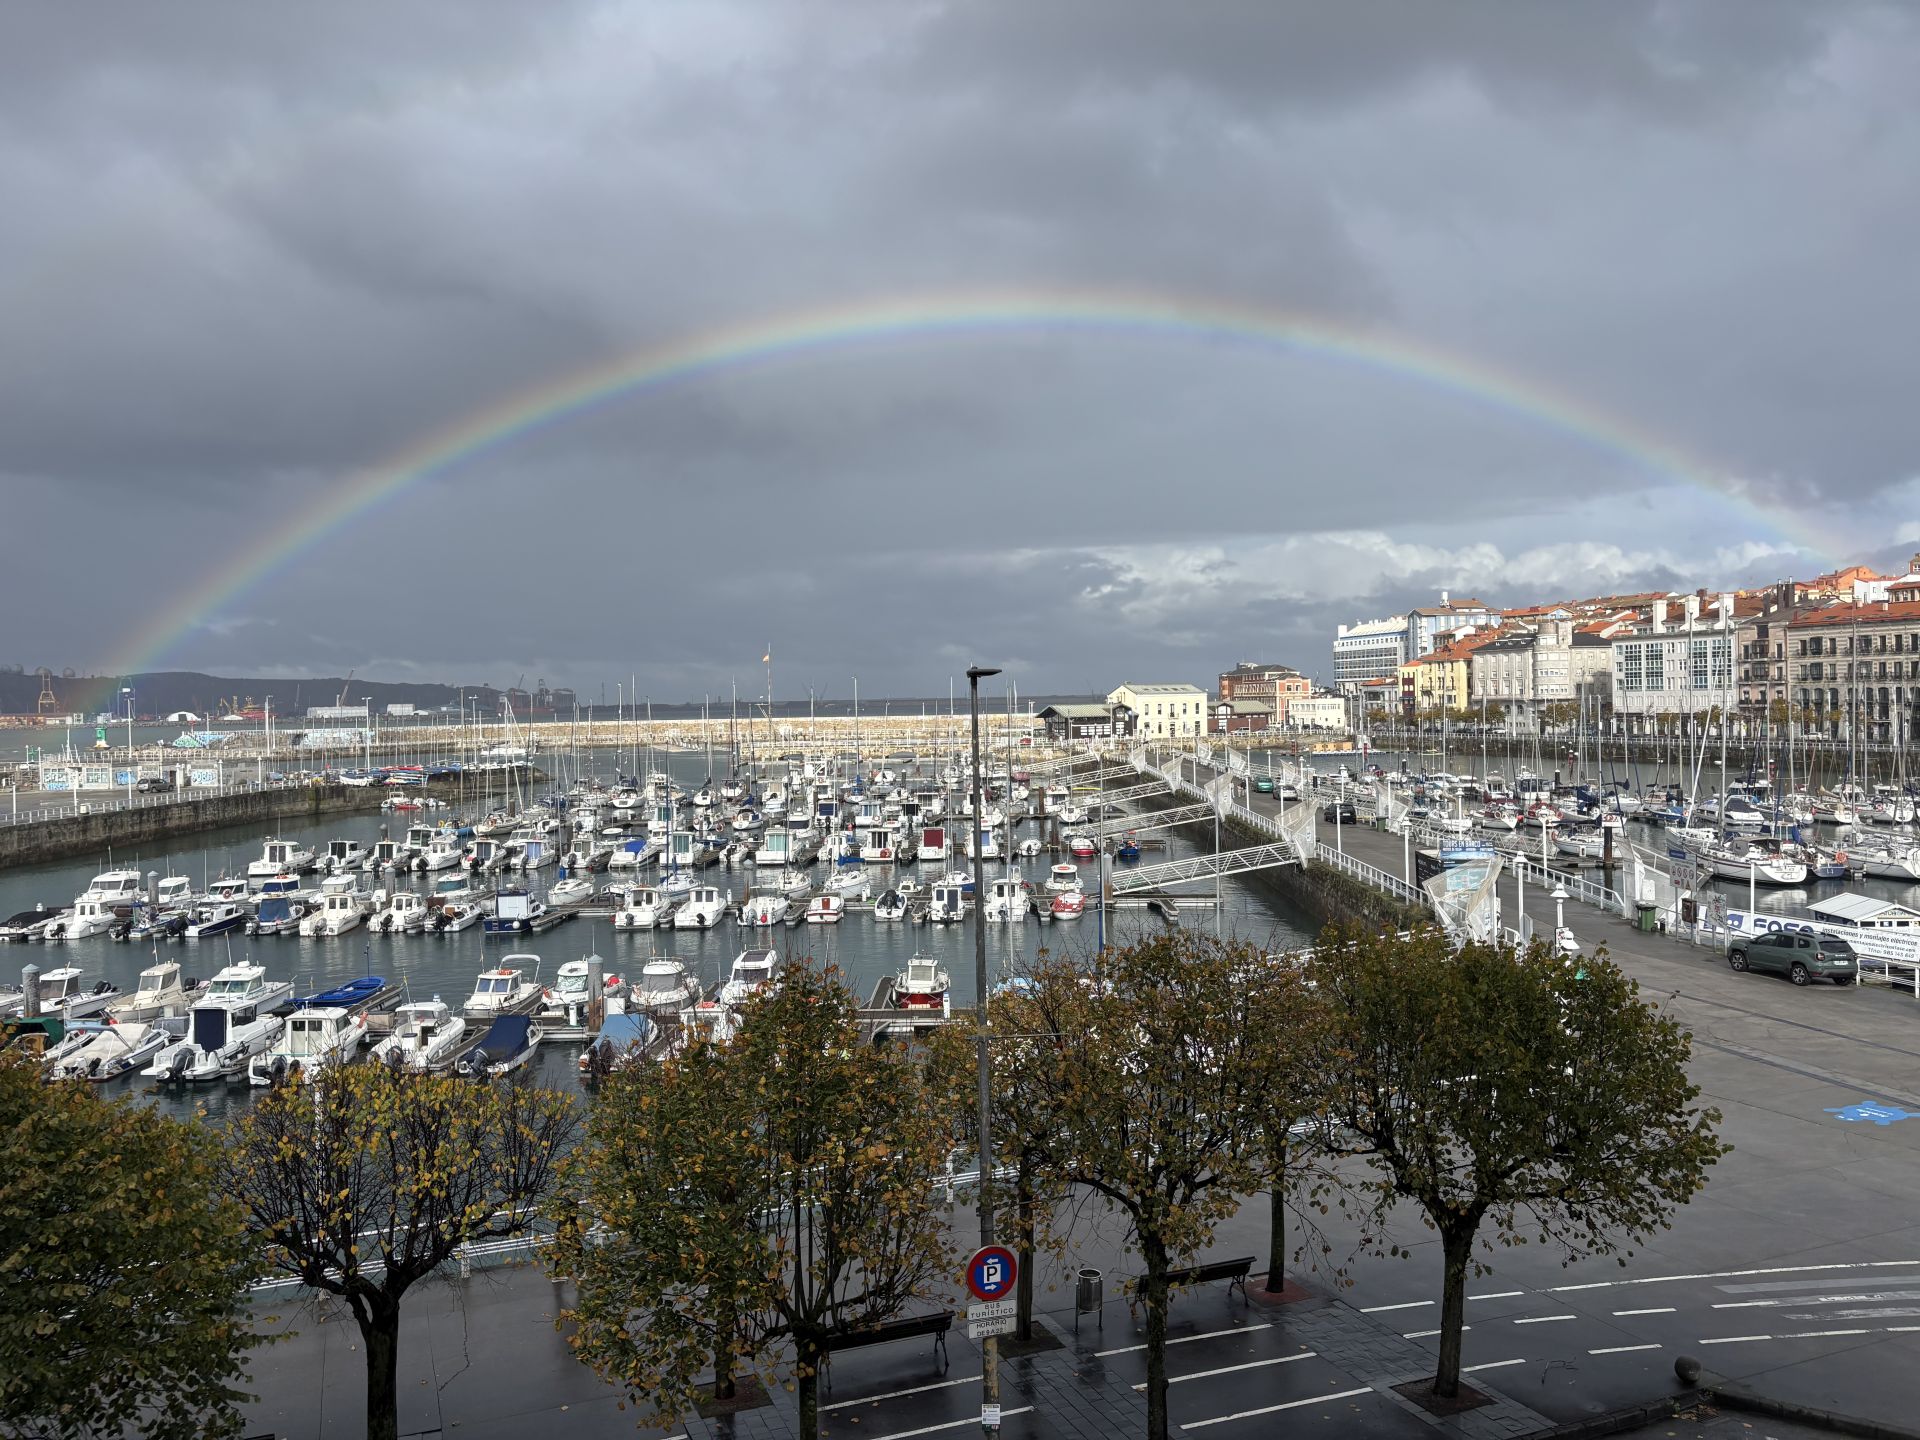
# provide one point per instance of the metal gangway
(1204, 867)
(1146, 820)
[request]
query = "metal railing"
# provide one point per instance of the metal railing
(1371, 874)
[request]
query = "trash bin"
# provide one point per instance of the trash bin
(1648, 915)
(1089, 1295)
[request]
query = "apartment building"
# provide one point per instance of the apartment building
(1163, 711)
(1680, 664)
(1369, 650)
(1854, 670)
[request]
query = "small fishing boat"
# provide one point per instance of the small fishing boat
(117, 1050)
(315, 1038)
(1081, 847)
(1063, 878)
(1128, 848)
(663, 988)
(281, 857)
(922, 985)
(355, 994)
(645, 909)
(825, 909)
(1068, 905)
(426, 1036)
(1007, 900)
(703, 909)
(571, 891)
(406, 912)
(891, 906)
(947, 903)
(220, 918)
(504, 989)
(159, 994)
(765, 906)
(508, 1044)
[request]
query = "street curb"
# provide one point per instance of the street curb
(1735, 1397)
(1618, 1422)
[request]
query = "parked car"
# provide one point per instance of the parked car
(1801, 957)
(155, 785)
(1347, 816)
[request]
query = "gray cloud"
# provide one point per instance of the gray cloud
(251, 253)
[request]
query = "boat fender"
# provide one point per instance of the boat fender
(1840, 856)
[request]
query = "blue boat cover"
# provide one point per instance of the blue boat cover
(506, 1036)
(351, 993)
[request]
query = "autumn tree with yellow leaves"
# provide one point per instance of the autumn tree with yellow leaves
(742, 1201)
(371, 1178)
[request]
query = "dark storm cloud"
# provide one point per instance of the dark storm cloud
(251, 250)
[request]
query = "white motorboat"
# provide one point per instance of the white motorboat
(1067, 905)
(226, 1028)
(313, 1039)
(795, 885)
(933, 843)
(765, 906)
(89, 917)
(947, 904)
(220, 917)
(406, 912)
(426, 1036)
(703, 910)
(452, 889)
(645, 909)
(116, 1050)
(444, 852)
(826, 910)
(121, 887)
(457, 915)
(160, 994)
(848, 885)
(281, 857)
(879, 845)
(891, 906)
(343, 855)
(570, 891)
(504, 990)
(1063, 878)
(663, 988)
(1007, 900)
(568, 1002)
(343, 905)
(754, 971)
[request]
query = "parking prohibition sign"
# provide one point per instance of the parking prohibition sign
(991, 1272)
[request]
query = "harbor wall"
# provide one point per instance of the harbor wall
(67, 836)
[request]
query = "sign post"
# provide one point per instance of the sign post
(991, 1274)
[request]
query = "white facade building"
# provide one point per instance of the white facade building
(1369, 650)
(1679, 666)
(1163, 712)
(1535, 668)
(1428, 621)
(1317, 712)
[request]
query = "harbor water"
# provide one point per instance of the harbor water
(446, 964)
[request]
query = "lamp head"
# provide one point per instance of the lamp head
(977, 673)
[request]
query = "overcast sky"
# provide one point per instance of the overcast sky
(249, 250)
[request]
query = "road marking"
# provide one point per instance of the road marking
(1183, 1339)
(972, 1422)
(1231, 1369)
(1263, 1410)
(1743, 1304)
(1498, 1295)
(1621, 1349)
(1854, 1297)
(1543, 1319)
(1657, 1310)
(895, 1394)
(1408, 1305)
(1490, 1365)
(1423, 1334)
(1733, 1274)
(1735, 1339)
(1817, 1334)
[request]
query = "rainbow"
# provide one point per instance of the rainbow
(804, 334)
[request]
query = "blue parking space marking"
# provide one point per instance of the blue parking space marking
(1872, 1110)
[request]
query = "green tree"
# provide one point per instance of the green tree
(1156, 1070)
(371, 1178)
(825, 1219)
(1489, 1084)
(123, 1269)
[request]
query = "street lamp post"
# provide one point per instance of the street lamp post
(990, 1345)
(127, 690)
(1559, 914)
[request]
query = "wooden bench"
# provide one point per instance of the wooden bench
(936, 1324)
(1234, 1272)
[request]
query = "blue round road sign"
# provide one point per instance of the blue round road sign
(991, 1272)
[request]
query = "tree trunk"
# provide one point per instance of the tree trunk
(1023, 1286)
(807, 1385)
(380, 1333)
(1277, 1221)
(1457, 1243)
(1154, 1251)
(724, 1325)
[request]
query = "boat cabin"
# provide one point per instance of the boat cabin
(345, 852)
(173, 892)
(319, 1031)
(494, 988)
(121, 886)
